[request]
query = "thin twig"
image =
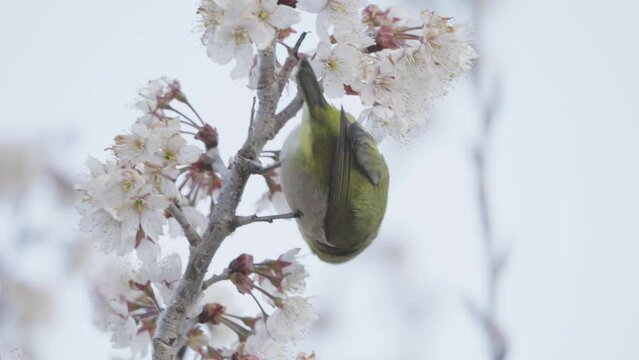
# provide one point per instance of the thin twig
(265, 170)
(189, 231)
(245, 220)
(298, 43)
(215, 279)
(288, 112)
(487, 316)
(289, 64)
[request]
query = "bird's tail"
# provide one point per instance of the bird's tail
(309, 86)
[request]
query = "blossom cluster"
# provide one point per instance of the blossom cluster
(128, 302)
(233, 28)
(397, 63)
(124, 207)
(124, 201)
(266, 336)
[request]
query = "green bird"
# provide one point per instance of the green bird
(334, 175)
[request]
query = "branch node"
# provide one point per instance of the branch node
(253, 165)
(245, 220)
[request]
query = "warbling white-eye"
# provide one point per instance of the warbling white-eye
(334, 175)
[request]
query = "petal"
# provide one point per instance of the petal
(284, 16)
(312, 6)
(243, 62)
(175, 143)
(280, 204)
(345, 53)
(322, 23)
(261, 34)
(195, 217)
(333, 85)
(157, 202)
(220, 53)
(167, 188)
(148, 251)
(104, 229)
(96, 167)
(151, 222)
(171, 267)
(130, 225)
(175, 230)
(323, 50)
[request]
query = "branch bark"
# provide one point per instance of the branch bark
(245, 220)
(189, 231)
(168, 337)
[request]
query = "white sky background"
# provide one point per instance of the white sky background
(563, 176)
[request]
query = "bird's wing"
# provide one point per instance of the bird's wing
(366, 152)
(339, 181)
(355, 150)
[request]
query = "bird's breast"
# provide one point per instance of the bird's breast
(303, 191)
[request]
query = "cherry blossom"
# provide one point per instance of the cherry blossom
(137, 146)
(337, 66)
(292, 320)
(155, 97)
(271, 17)
(231, 28)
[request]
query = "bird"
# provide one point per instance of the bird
(333, 175)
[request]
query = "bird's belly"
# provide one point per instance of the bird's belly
(303, 193)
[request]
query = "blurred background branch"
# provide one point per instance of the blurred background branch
(487, 92)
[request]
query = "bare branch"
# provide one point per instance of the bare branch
(288, 112)
(215, 279)
(492, 330)
(265, 170)
(189, 230)
(489, 100)
(298, 43)
(245, 220)
(289, 64)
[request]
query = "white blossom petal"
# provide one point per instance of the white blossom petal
(148, 251)
(151, 222)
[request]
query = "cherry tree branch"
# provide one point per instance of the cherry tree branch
(215, 279)
(289, 111)
(289, 64)
(189, 231)
(489, 100)
(168, 337)
(245, 220)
